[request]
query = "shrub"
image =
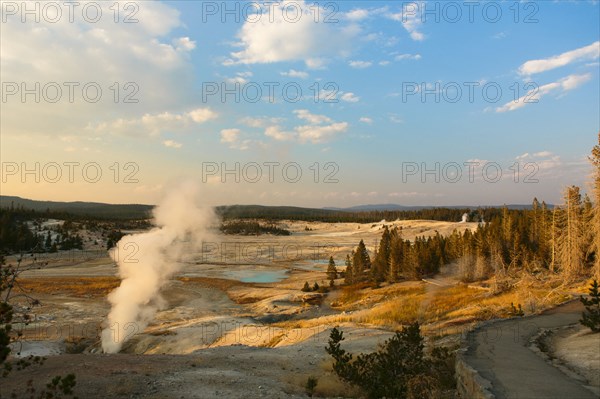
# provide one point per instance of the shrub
(310, 386)
(399, 369)
(591, 316)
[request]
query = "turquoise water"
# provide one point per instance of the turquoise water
(256, 276)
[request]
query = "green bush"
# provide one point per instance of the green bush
(399, 369)
(591, 316)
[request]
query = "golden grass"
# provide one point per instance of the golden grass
(92, 287)
(328, 385)
(437, 308)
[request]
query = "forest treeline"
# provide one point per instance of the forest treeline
(242, 227)
(20, 230)
(274, 213)
(564, 239)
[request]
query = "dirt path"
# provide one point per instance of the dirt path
(500, 353)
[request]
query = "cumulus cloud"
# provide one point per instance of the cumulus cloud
(357, 14)
(590, 52)
(311, 118)
(172, 144)
(534, 95)
(231, 137)
(410, 18)
(184, 44)
(319, 129)
(279, 35)
(259, 122)
(149, 60)
(365, 119)
(154, 124)
(360, 64)
(350, 97)
(292, 73)
(402, 57)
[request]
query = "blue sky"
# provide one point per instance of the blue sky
(374, 59)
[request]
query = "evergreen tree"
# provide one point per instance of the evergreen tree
(331, 270)
(396, 255)
(306, 287)
(591, 317)
(388, 372)
(361, 261)
(349, 277)
(381, 260)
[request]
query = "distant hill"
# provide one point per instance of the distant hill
(139, 211)
(91, 209)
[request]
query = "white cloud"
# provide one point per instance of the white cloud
(410, 17)
(357, 14)
(172, 144)
(150, 56)
(315, 63)
(360, 64)
(184, 44)
(237, 79)
(590, 52)
(259, 122)
(396, 119)
(201, 115)
(350, 98)
(365, 119)
(292, 73)
(538, 164)
(311, 118)
(402, 57)
(154, 124)
(276, 133)
(320, 134)
(320, 129)
(279, 37)
(533, 96)
(230, 135)
(384, 63)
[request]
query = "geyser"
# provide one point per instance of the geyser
(147, 260)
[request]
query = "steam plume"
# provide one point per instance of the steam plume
(147, 260)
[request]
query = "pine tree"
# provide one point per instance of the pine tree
(349, 278)
(396, 255)
(331, 270)
(306, 287)
(361, 261)
(591, 317)
(382, 257)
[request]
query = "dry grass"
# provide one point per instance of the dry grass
(449, 309)
(328, 385)
(89, 287)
